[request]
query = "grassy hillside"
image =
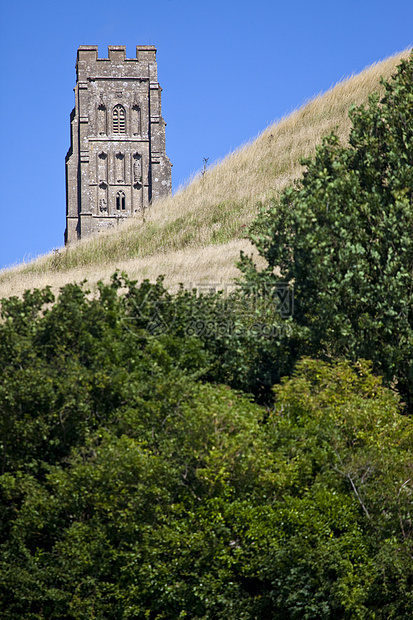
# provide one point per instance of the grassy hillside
(196, 235)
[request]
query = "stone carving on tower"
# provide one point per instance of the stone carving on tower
(116, 164)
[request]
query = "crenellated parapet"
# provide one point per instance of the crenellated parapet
(116, 65)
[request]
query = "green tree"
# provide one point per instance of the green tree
(342, 237)
(133, 488)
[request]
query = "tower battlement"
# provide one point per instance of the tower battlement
(116, 164)
(144, 53)
(144, 65)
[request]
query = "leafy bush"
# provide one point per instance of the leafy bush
(132, 489)
(133, 485)
(343, 238)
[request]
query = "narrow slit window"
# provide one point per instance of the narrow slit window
(119, 119)
(120, 201)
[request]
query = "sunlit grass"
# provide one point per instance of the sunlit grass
(206, 221)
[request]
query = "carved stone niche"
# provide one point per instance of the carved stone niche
(102, 167)
(119, 168)
(102, 119)
(137, 171)
(136, 120)
(103, 197)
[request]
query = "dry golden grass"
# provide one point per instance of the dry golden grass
(189, 266)
(196, 235)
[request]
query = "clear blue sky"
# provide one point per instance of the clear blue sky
(227, 68)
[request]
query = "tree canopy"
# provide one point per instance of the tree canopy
(131, 488)
(185, 456)
(342, 237)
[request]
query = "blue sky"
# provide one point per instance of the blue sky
(227, 69)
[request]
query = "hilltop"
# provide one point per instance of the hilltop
(196, 235)
(206, 456)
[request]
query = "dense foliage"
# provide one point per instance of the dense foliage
(150, 469)
(131, 489)
(343, 238)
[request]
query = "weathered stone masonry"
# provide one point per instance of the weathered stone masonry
(116, 164)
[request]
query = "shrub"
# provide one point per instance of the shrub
(343, 238)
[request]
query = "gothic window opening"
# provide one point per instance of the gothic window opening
(119, 119)
(120, 201)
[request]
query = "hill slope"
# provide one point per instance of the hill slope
(196, 235)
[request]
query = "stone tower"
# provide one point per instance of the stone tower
(116, 164)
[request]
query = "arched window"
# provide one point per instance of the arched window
(120, 201)
(119, 119)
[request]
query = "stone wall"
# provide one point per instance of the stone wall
(116, 164)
